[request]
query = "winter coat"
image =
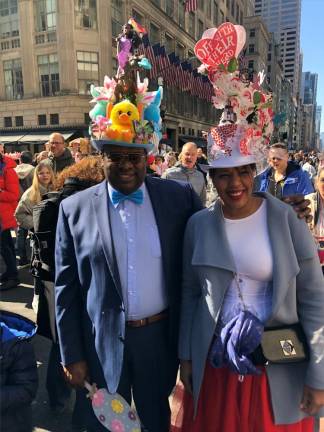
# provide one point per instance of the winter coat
(297, 181)
(46, 306)
(193, 176)
(25, 174)
(24, 211)
(18, 378)
(61, 162)
(9, 193)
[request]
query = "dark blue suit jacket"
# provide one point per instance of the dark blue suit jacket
(89, 306)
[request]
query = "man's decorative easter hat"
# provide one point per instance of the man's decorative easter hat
(126, 114)
(246, 126)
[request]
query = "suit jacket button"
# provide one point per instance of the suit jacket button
(120, 337)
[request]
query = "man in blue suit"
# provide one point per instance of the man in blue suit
(118, 279)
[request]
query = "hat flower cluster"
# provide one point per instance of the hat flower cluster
(248, 105)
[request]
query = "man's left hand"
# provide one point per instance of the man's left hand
(312, 400)
(300, 205)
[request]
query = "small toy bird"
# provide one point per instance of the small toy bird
(121, 118)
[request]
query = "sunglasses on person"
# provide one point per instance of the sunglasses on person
(133, 158)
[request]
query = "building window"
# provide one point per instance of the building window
(86, 118)
(45, 15)
(180, 51)
(19, 120)
(88, 70)
(237, 14)
(154, 34)
(233, 8)
(137, 17)
(251, 65)
(251, 48)
(13, 77)
(86, 13)
(117, 17)
(42, 119)
(209, 10)
(54, 119)
(9, 20)
(200, 28)
(181, 15)
(215, 18)
(114, 66)
(252, 33)
(192, 29)
(48, 69)
(170, 8)
(7, 122)
(169, 43)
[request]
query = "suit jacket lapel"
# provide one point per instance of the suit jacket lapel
(100, 203)
(161, 220)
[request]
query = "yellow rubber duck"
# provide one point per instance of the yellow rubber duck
(122, 116)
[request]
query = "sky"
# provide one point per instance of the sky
(312, 44)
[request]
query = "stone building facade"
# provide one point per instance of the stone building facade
(51, 51)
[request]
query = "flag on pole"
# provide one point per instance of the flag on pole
(191, 5)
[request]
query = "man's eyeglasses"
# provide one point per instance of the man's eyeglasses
(55, 142)
(134, 158)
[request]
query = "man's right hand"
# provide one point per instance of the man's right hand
(186, 375)
(76, 373)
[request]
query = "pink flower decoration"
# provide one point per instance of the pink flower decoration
(117, 426)
(101, 122)
(98, 399)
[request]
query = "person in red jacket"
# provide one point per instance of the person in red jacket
(9, 195)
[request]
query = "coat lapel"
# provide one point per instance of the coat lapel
(207, 251)
(285, 264)
(100, 204)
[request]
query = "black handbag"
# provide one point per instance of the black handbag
(281, 345)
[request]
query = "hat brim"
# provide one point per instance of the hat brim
(228, 162)
(99, 144)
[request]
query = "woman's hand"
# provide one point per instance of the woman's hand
(186, 375)
(312, 401)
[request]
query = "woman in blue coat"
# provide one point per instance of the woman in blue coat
(249, 264)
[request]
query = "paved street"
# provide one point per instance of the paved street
(20, 301)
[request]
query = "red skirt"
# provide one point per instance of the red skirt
(228, 405)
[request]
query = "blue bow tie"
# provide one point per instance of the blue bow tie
(118, 197)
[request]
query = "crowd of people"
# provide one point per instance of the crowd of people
(126, 223)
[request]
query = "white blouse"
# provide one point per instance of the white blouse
(251, 249)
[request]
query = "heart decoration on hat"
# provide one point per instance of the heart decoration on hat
(112, 411)
(219, 45)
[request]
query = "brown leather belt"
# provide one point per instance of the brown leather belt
(149, 320)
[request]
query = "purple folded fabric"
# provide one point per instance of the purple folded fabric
(237, 340)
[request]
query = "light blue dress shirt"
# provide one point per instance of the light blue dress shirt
(138, 254)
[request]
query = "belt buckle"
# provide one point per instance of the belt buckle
(143, 322)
